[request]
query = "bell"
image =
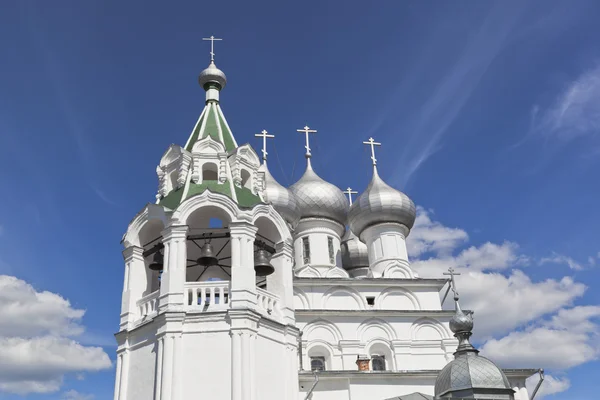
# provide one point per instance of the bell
(262, 266)
(207, 256)
(157, 262)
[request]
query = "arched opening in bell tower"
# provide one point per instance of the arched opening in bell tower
(210, 172)
(150, 238)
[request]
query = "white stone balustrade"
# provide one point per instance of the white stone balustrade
(207, 296)
(268, 302)
(148, 305)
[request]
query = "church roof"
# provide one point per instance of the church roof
(212, 123)
(412, 396)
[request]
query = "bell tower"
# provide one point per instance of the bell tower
(208, 275)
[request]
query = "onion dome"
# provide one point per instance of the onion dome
(280, 198)
(355, 255)
(381, 203)
(469, 375)
(213, 75)
(318, 198)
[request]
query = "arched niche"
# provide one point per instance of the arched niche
(428, 329)
(397, 299)
(149, 236)
(301, 301)
(342, 298)
(246, 179)
(322, 330)
(210, 172)
(375, 328)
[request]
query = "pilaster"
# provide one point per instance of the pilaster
(173, 277)
(244, 327)
(243, 276)
(281, 281)
(134, 285)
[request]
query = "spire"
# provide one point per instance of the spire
(462, 322)
(212, 122)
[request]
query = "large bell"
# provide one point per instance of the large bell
(207, 256)
(262, 265)
(157, 262)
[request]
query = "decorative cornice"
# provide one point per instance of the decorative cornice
(381, 282)
(375, 312)
(133, 253)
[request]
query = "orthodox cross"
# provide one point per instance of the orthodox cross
(452, 283)
(306, 130)
(212, 46)
(350, 192)
(371, 142)
(264, 134)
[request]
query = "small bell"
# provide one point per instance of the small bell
(207, 256)
(157, 262)
(262, 265)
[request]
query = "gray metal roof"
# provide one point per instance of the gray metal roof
(412, 396)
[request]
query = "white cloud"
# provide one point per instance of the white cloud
(551, 385)
(575, 112)
(75, 395)
(431, 236)
(561, 259)
(517, 319)
(36, 344)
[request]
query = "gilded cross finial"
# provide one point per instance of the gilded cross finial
(212, 46)
(306, 130)
(371, 142)
(350, 192)
(264, 134)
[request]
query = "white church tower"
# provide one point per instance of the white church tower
(199, 315)
(237, 288)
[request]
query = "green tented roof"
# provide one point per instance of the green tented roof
(210, 123)
(244, 195)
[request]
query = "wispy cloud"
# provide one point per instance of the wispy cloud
(454, 88)
(574, 113)
(566, 260)
(103, 196)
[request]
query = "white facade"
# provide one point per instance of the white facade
(222, 332)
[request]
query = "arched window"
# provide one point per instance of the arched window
(209, 172)
(378, 363)
(319, 357)
(246, 179)
(306, 250)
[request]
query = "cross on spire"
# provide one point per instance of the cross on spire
(371, 142)
(212, 46)
(264, 134)
(350, 192)
(452, 282)
(306, 130)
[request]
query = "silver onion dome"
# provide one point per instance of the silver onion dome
(381, 203)
(470, 375)
(318, 198)
(212, 74)
(355, 256)
(282, 199)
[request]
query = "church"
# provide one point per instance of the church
(238, 288)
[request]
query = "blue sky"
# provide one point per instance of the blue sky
(489, 115)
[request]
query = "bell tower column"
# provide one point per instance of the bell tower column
(134, 285)
(281, 281)
(243, 276)
(173, 277)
